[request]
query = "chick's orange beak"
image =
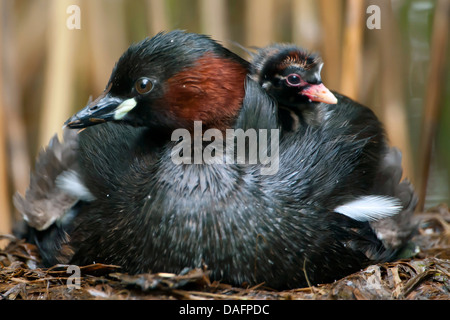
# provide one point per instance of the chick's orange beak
(319, 93)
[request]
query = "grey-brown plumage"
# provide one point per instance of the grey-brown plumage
(44, 202)
(395, 231)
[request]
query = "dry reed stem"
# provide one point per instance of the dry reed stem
(330, 15)
(393, 113)
(158, 16)
(59, 74)
(213, 16)
(352, 49)
(434, 93)
(259, 22)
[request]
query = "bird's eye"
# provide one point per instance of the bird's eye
(293, 80)
(143, 85)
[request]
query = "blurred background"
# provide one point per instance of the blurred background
(391, 55)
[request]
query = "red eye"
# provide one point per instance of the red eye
(143, 85)
(293, 80)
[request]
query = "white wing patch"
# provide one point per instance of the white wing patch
(371, 208)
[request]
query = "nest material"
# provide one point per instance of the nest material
(424, 277)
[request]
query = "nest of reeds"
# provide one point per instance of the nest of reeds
(423, 277)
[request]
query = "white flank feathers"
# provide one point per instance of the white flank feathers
(370, 208)
(70, 182)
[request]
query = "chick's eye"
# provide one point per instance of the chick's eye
(293, 79)
(143, 85)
